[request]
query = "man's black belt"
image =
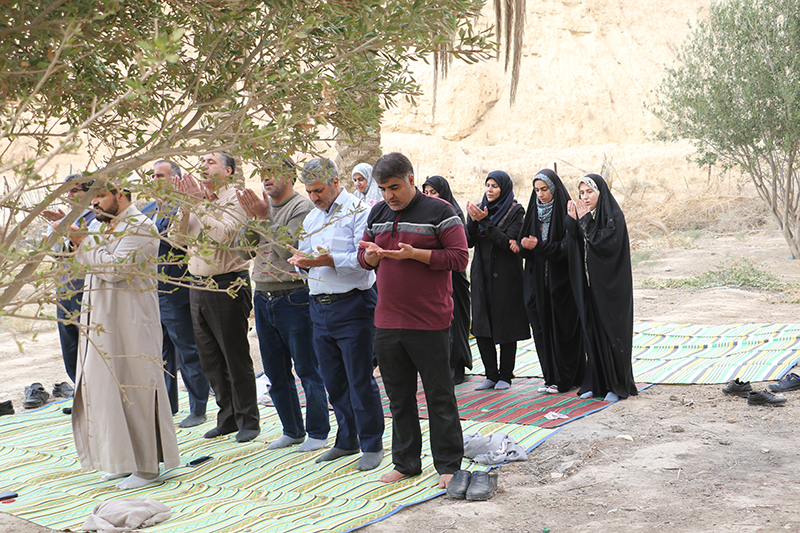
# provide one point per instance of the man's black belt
(330, 298)
(281, 293)
(228, 276)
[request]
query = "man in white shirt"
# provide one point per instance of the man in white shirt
(342, 312)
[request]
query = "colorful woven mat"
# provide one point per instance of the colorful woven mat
(685, 354)
(244, 487)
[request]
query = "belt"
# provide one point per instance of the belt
(228, 276)
(326, 299)
(281, 293)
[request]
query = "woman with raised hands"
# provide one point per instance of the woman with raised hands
(551, 307)
(602, 282)
(498, 310)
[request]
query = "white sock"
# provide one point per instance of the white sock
(111, 476)
(137, 480)
(586, 395)
(611, 397)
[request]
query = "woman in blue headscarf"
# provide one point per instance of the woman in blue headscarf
(366, 187)
(498, 310)
(551, 306)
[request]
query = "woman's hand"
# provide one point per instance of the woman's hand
(529, 243)
(582, 208)
(572, 210)
(475, 213)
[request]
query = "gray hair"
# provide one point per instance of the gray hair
(321, 169)
(226, 158)
(174, 169)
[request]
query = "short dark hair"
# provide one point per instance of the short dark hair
(392, 165)
(126, 192)
(227, 160)
(174, 169)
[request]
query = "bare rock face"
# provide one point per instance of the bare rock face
(589, 69)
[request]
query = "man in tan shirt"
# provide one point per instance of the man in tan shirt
(219, 321)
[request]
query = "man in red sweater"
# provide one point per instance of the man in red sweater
(417, 240)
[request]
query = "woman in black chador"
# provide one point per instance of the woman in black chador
(498, 310)
(600, 272)
(548, 294)
(460, 354)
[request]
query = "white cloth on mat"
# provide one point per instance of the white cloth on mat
(493, 449)
(125, 515)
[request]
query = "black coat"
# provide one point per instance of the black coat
(550, 303)
(602, 282)
(498, 309)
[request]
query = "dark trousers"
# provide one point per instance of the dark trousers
(344, 338)
(68, 333)
(180, 351)
(220, 329)
(285, 335)
(508, 359)
(403, 353)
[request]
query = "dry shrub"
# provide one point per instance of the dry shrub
(653, 210)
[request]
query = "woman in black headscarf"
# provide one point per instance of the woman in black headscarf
(460, 354)
(498, 310)
(600, 272)
(548, 294)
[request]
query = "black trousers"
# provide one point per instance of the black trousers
(402, 353)
(508, 358)
(220, 329)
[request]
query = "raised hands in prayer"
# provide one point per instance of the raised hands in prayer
(475, 213)
(254, 207)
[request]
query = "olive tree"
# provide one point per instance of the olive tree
(735, 93)
(128, 83)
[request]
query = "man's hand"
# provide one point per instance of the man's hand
(513, 245)
(306, 261)
(189, 186)
(372, 252)
(254, 206)
(529, 243)
(53, 215)
(76, 234)
(475, 213)
(572, 210)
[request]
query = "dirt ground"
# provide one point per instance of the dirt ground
(675, 458)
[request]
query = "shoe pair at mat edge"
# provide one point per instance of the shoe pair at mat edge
(473, 486)
(744, 389)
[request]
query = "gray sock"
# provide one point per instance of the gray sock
(370, 460)
(486, 384)
(284, 441)
(502, 385)
(311, 445)
(335, 453)
(192, 420)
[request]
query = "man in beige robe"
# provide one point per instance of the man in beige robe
(121, 417)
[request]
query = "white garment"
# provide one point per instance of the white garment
(493, 449)
(338, 231)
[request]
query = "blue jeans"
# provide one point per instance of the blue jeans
(180, 351)
(344, 336)
(285, 335)
(68, 333)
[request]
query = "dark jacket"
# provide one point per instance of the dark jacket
(498, 308)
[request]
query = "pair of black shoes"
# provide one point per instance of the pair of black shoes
(473, 486)
(744, 389)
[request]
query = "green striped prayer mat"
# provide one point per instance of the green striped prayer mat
(245, 487)
(685, 353)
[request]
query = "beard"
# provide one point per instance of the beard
(108, 216)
